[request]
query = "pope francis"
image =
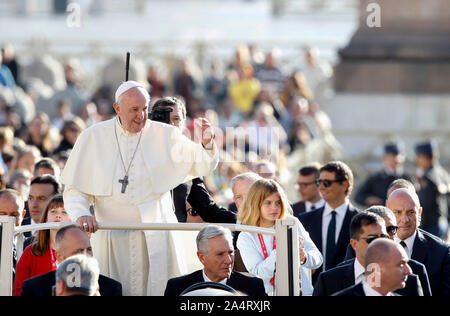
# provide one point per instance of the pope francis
(126, 167)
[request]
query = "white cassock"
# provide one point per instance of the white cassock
(141, 261)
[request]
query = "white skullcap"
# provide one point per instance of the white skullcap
(127, 85)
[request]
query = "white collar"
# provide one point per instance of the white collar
(316, 205)
(359, 271)
(409, 242)
(121, 131)
(340, 210)
(370, 291)
(205, 277)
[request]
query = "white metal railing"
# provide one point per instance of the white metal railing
(287, 276)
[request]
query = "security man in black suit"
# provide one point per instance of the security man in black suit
(329, 226)
(434, 190)
(374, 188)
(386, 270)
(70, 240)
(419, 244)
(364, 228)
(216, 252)
(391, 228)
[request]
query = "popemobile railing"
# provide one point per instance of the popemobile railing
(287, 277)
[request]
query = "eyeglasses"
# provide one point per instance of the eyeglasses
(326, 183)
(392, 230)
(304, 184)
(373, 237)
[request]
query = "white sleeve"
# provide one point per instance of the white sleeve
(314, 258)
(76, 203)
(254, 259)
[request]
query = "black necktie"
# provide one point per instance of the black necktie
(331, 242)
(403, 244)
(312, 208)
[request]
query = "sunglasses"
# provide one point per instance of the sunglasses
(326, 183)
(372, 238)
(392, 230)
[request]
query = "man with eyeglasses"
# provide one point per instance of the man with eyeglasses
(420, 245)
(329, 226)
(308, 189)
(365, 227)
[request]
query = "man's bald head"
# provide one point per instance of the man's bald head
(72, 240)
(386, 264)
(405, 205)
(380, 250)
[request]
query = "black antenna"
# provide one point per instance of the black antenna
(127, 66)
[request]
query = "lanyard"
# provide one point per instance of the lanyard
(265, 253)
(52, 257)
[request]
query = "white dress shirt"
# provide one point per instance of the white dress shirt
(409, 243)
(341, 211)
(205, 277)
(359, 272)
(317, 205)
(370, 291)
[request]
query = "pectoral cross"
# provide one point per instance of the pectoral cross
(124, 182)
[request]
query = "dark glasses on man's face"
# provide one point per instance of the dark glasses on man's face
(326, 183)
(392, 230)
(369, 239)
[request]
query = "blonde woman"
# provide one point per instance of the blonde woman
(265, 203)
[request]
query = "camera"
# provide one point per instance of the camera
(160, 114)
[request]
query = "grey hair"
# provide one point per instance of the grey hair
(248, 176)
(15, 196)
(79, 274)
(380, 210)
(209, 232)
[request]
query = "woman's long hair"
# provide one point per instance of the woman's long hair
(41, 243)
(250, 212)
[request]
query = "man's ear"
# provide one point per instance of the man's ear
(201, 256)
(353, 243)
(59, 256)
(419, 213)
(116, 108)
(60, 288)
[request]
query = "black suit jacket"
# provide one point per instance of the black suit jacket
(377, 185)
(435, 255)
(355, 290)
(249, 285)
(417, 268)
(312, 221)
(299, 208)
(343, 276)
(41, 285)
(207, 208)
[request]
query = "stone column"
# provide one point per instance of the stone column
(393, 81)
(408, 52)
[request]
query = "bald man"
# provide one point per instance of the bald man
(420, 245)
(387, 270)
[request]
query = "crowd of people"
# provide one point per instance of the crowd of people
(53, 168)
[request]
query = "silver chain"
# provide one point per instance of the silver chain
(135, 151)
